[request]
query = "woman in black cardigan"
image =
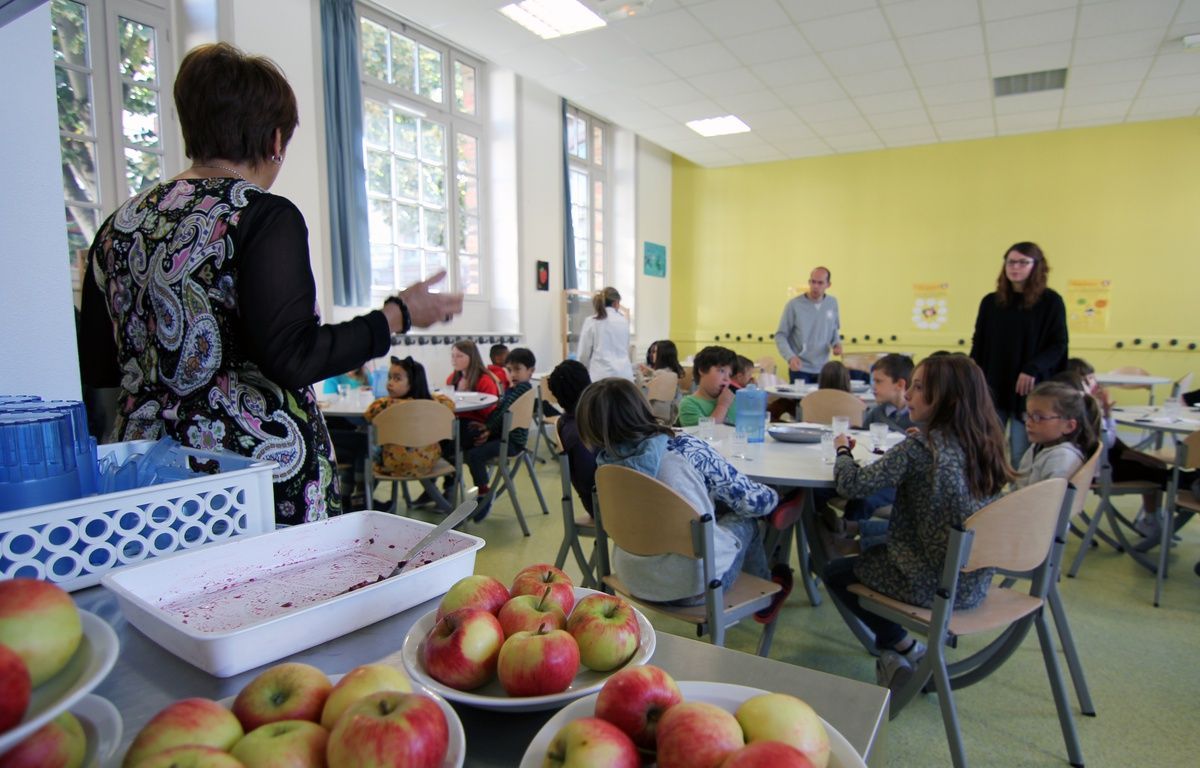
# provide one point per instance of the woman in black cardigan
(1020, 336)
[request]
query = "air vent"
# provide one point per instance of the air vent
(1030, 82)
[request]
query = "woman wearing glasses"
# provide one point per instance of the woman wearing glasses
(1020, 336)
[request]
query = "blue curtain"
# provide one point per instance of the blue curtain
(349, 239)
(569, 281)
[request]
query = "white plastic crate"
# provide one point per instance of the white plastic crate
(74, 543)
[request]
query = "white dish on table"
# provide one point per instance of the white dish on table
(724, 695)
(94, 659)
(231, 607)
(492, 695)
(794, 433)
(102, 727)
(456, 752)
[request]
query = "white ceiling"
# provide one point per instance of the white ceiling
(819, 77)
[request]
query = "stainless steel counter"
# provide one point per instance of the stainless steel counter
(146, 678)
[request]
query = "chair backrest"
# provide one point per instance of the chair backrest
(522, 410)
(1187, 452)
(1014, 532)
(767, 364)
(861, 362)
(663, 386)
(1182, 384)
(821, 406)
(1081, 481)
(1130, 370)
(544, 390)
(643, 516)
(414, 424)
(687, 383)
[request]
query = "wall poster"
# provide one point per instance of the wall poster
(1087, 305)
(930, 305)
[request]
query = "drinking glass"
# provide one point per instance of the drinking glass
(707, 428)
(343, 390)
(879, 437)
(841, 425)
(828, 450)
(740, 444)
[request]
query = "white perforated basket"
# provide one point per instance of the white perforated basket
(74, 543)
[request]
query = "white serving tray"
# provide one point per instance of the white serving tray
(235, 606)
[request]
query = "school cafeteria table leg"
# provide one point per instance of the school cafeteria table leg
(807, 562)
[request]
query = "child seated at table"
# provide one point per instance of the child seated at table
(662, 355)
(406, 381)
(1062, 423)
(890, 378)
(742, 374)
(713, 397)
(498, 354)
(567, 382)
(834, 375)
(950, 469)
(616, 422)
(485, 444)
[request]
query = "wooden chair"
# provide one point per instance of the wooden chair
(575, 526)
(518, 416)
(645, 517)
(413, 424)
(766, 363)
(1180, 506)
(661, 392)
(1014, 534)
(542, 421)
(1108, 489)
(686, 382)
(820, 406)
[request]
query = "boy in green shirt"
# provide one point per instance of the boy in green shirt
(711, 369)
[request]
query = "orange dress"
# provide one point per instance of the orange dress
(398, 459)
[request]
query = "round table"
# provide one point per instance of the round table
(1132, 380)
(1173, 419)
(353, 404)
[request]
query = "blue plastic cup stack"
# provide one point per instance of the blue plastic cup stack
(37, 459)
(83, 442)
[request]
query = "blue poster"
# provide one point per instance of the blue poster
(654, 259)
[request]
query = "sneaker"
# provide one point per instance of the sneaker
(783, 576)
(1147, 524)
(480, 514)
(915, 653)
(892, 670)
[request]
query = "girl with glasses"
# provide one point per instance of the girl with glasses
(1062, 423)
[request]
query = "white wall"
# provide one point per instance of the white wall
(37, 326)
(653, 317)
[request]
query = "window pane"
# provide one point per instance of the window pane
(404, 56)
(579, 220)
(598, 226)
(434, 262)
(141, 170)
(404, 133)
(139, 115)
(433, 143)
(374, 44)
(468, 234)
(433, 185)
(468, 275)
(468, 195)
(379, 221)
(410, 267)
(579, 188)
(138, 56)
(408, 179)
(598, 259)
(435, 229)
(375, 124)
(430, 85)
(576, 136)
(464, 87)
(74, 101)
(408, 224)
(383, 268)
(379, 172)
(598, 195)
(68, 30)
(597, 144)
(80, 181)
(467, 159)
(82, 224)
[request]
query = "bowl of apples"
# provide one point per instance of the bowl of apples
(642, 716)
(535, 645)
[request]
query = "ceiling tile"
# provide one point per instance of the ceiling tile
(855, 142)
(919, 16)
(1150, 108)
(753, 101)
(940, 46)
(871, 83)
(899, 119)
(1101, 94)
(994, 10)
(1108, 72)
(962, 110)
(1182, 85)
(848, 30)
(637, 70)
(777, 124)
(1089, 114)
(1034, 59)
(1027, 122)
(1176, 64)
(866, 58)
(881, 103)
(810, 93)
(908, 135)
(648, 118)
(539, 60)
(693, 110)
(762, 155)
(1189, 11)
(784, 42)
(1124, 15)
(832, 128)
(1028, 31)
(737, 141)
(955, 92)
(716, 158)
(738, 18)
(955, 71)
(804, 69)
(670, 92)
(1127, 45)
(803, 147)
(597, 47)
(727, 82)
(957, 130)
(806, 10)
(1029, 102)
(665, 31)
(830, 110)
(698, 59)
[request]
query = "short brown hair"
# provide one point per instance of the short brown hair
(230, 104)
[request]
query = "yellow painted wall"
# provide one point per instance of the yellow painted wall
(1120, 203)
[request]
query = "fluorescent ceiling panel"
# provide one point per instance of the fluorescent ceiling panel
(718, 126)
(549, 19)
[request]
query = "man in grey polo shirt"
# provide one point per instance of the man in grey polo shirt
(809, 329)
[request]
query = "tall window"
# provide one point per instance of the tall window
(423, 143)
(587, 151)
(109, 67)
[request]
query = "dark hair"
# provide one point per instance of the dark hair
(230, 105)
(895, 366)
(1080, 367)
(418, 384)
(612, 413)
(522, 356)
(1034, 287)
(496, 351)
(961, 409)
(475, 368)
(1071, 379)
(834, 375)
(1071, 403)
(567, 382)
(603, 299)
(710, 357)
(666, 356)
(741, 364)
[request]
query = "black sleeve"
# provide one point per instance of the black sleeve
(978, 342)
(277, 301)
(96, 337)
(1054, 339)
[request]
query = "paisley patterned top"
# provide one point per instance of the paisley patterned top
(929, 475)
(199, 302)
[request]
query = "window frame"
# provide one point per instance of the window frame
(595, 171)
(456, 122)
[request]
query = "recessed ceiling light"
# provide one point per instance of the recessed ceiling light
(1191, 42)
(718, 126)
(553, 18)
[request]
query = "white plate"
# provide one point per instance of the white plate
(102, 725)
(456, 752)
(725, 695)
(91, 663)
(492, 695)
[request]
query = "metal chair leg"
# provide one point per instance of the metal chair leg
(1067, 640)
(1058, 688)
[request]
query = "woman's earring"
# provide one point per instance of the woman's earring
(277, 159)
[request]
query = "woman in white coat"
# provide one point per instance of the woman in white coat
(604, 340)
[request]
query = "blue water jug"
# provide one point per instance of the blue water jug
(751, 416)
